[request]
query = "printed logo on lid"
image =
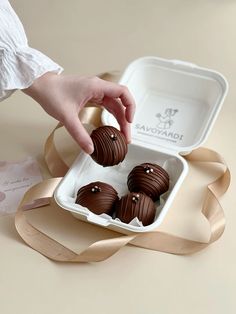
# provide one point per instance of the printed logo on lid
(164, 128)
(165, 120)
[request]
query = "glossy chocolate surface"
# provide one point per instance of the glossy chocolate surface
(110, 146)
(136, 205)
(98, 197)
(149, 178)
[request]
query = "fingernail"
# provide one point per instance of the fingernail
(131, 117)
(129, 136)
(89, 149)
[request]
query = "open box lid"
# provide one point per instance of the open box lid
(177, 103)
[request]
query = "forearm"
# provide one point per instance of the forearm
(20, 64)
(42, 91)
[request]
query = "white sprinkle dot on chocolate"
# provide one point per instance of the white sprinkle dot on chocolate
(113, 137)
(148, 169)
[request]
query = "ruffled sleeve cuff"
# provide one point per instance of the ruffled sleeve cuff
(20, 67)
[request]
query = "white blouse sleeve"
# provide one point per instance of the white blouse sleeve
(20, 65)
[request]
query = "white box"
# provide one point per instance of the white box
(177, 104)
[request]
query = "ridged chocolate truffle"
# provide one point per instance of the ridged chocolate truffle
(136, 205)
(149, 178)
(110, 146)
(99, 197)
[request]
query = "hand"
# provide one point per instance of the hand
(63, 96)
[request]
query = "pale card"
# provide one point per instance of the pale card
(16, 177)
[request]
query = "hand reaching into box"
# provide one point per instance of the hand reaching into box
(63, 97)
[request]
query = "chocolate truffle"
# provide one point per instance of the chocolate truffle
(110, 146)
(99, 197)
(136, 205)
(149, 178)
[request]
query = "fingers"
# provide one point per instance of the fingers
(116, 99)
(116, 108)
(113, 90)
(80, 135)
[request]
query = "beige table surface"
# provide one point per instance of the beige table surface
(88, 37)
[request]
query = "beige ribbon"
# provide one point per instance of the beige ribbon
(42, 194)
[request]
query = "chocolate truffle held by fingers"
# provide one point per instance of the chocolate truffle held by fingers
(98, 197)
(110, 147)
(149, 178)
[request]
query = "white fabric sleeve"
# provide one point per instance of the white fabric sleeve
(20, 64)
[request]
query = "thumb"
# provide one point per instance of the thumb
(79, 134)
